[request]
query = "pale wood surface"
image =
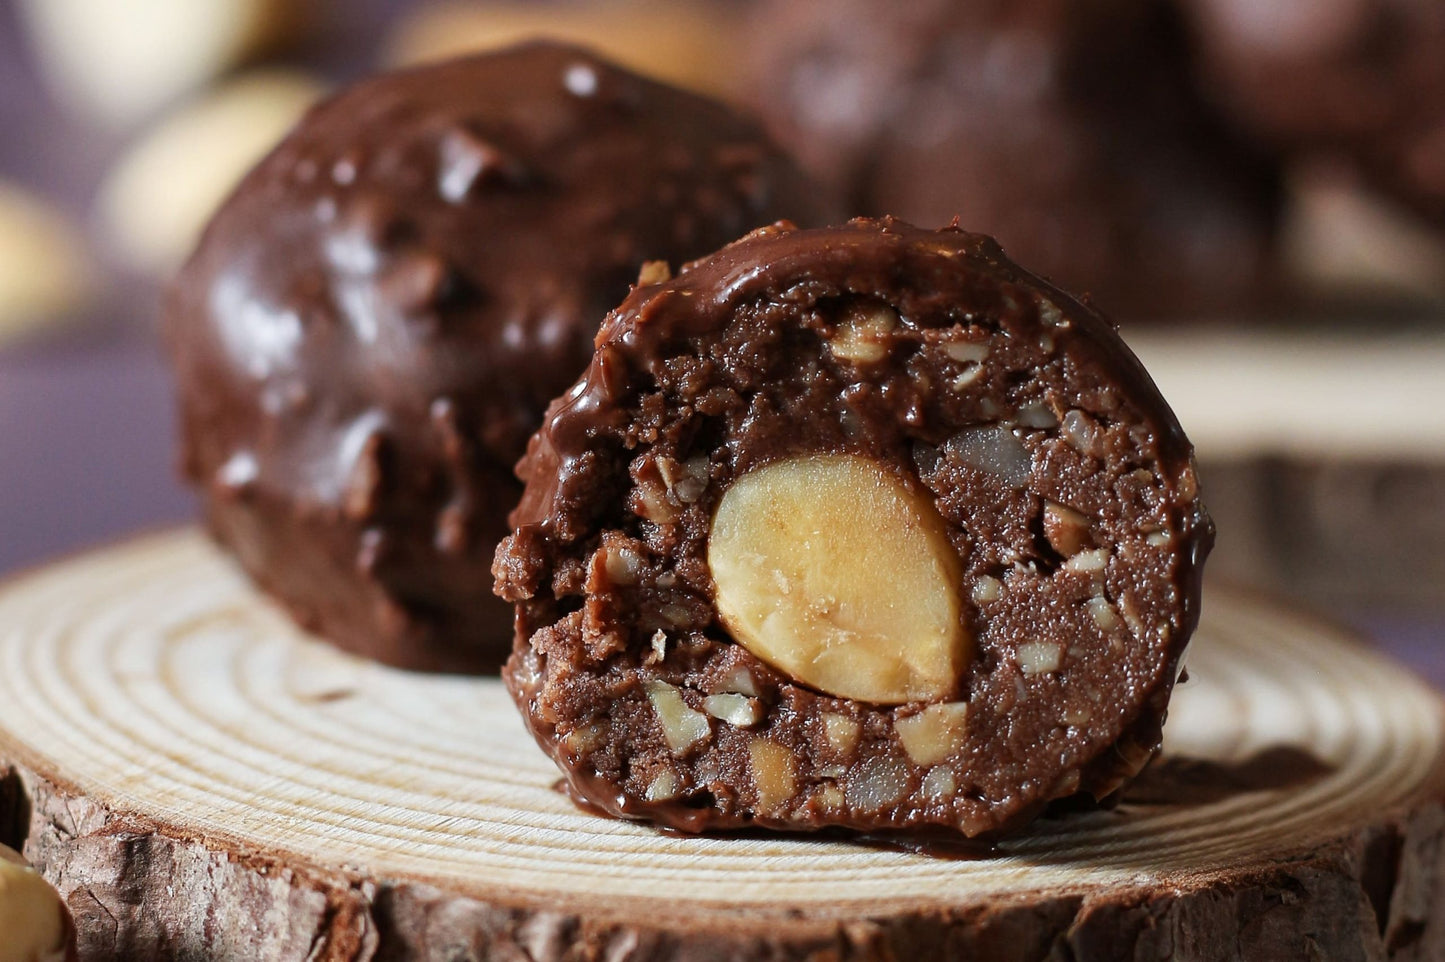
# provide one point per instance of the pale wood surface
(1253, 392)
(148, 695)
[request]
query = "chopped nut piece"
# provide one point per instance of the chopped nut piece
(830, 798)
(662, 788)
(835, 572)
(1158, 539)
(682, 726)
(994, 449)
(934, 733)
(1088, 562)
(1039, 657)
(659, 645)
(1103, 613)
(622, 564)
(773, 776)
(1066, 530)
(739, 681)
(651, 503)
(878, 782)
(966, 377)
(693, 481)
(840, 731)
(986, 589)
(939, 785)
(583, 741)
(861, 333)
(654, 272)
(1083, 432)
(739, 710)
(1036, 415)
(966, 352)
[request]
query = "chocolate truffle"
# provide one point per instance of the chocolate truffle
(1363, 79)
(1070, 131)
(862, 527)
(374, 322)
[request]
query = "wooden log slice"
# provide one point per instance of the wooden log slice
(201, 781)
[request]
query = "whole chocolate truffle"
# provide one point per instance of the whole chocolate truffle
(862, 527)
(1364, 79)
(1067, 130)
(373, 324)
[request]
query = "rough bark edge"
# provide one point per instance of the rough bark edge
(138, 891)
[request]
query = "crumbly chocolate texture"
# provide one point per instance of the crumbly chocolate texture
(1070, 131)
(373, 324)
(1015, 416)
(1359, 79)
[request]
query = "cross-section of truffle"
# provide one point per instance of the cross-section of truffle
(374, 323)
(861, 527)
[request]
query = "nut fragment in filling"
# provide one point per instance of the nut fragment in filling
(622, 564)
(835, 572)
(581, 741)
(830, 798)
(840, 731)
(773, 775)
(966, 352)
(966, 377)
(1039, 657)
(862, 332)
(987, 588)
(877, 782)
(1036, 415)
(992, 448)
(1103, 613)
(662, 788)
(939, 785)
(1067, 531)
(737, 680)
(1088, 562)
(934, 733)
(739, 710)
(682, 726)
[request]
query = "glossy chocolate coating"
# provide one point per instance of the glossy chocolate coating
(374, 322)
(1069, 131)
(728, 368)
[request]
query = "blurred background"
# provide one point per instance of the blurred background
(1255, 189)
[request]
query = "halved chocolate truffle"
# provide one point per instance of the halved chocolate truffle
(375, 321)
(861, 527)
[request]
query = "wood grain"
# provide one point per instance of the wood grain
(203, 781)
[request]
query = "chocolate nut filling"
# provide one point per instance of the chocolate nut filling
(861, 527)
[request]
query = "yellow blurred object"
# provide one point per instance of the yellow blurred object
(687, 43)
(34, 925)
(45, 273)
(120, 60)
(160, 194)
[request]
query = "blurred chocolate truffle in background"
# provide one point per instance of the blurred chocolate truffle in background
(1363, 79)
(690, 43)
(1070, 131)
(373, 324)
